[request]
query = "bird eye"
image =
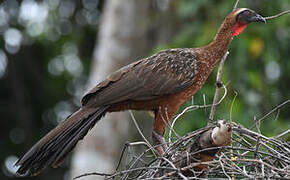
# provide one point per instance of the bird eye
(247, 13)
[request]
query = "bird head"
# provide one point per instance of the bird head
(244, 16)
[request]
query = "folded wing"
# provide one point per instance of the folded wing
(166, 72)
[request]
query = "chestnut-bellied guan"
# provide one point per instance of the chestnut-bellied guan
(160, 83)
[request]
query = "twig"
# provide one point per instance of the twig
(273, 110)
(204, 102)
(190, 166)
(259, 162)
(195, 107)
(140, 132)
(121, 156)
(187, 137)
(231, 150)
(127, 144)
(135, 161)
(222, 165)
(277, 15)
(139, 169)
(277, 115)
(171, 164)
(282, 134)
(168, 124)
(236, 166)
(90, 174)
(236, 5)
(217, 91)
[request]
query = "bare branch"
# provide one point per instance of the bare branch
(171, 164)
(236, 5)
(91, 174)
(140, 132)
(195, 107)
(269, 113)
(223, 168)
(277, 15)
(282, 134)
(169, 125)
(217, 91)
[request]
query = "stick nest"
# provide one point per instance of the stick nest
(250, 155)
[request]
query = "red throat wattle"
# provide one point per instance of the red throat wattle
(238, 28)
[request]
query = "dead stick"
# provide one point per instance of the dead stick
(278, 15)
(218, 87)
(236, 5)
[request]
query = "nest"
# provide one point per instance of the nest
(250, 156)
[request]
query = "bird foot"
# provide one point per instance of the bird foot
(159, 142)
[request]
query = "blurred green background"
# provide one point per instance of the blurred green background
(46, 50)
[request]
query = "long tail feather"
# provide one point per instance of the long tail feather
(54, 147)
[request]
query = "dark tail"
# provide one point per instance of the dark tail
(53, 148)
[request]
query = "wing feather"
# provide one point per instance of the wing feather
(164, 73)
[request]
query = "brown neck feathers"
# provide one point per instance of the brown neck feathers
(219, 46)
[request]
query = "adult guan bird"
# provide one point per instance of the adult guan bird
(160, 83)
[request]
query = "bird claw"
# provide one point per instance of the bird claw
(159, 142)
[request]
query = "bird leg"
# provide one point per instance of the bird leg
(159, 142)
(162, 117)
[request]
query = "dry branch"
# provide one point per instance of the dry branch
(219, 84)
(277, 15)
(236, 5)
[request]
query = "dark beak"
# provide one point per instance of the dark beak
(257, 18)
